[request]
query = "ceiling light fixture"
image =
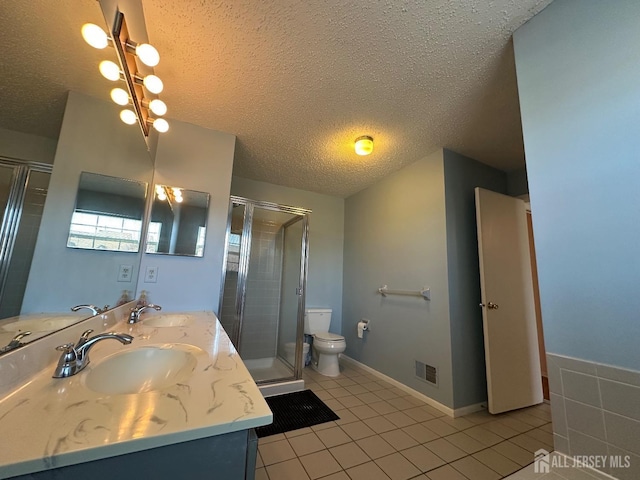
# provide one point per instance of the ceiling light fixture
(139, 85)
(364, 145)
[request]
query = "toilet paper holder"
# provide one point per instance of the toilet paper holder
(363, 326)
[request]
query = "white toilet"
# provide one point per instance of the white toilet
(326, 346)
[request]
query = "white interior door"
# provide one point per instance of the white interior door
(508, 311)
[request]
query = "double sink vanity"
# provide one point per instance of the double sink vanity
(167, 396)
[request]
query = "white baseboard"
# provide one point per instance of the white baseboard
(458, 412)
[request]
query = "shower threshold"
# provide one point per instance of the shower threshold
(273, 376)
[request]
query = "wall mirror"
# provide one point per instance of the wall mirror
(58, 122)
(178, 223)
(108, 214)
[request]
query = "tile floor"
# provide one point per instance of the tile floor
(383, 434)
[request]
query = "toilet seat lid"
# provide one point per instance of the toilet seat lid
(329, 337)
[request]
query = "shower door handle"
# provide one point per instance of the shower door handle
(299, 291)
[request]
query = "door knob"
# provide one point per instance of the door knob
(490, 306)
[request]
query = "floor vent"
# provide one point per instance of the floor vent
(427, 373)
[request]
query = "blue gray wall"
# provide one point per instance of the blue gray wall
(461, 175)
(326, 237)
(579, 83)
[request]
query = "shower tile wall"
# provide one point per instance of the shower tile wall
(24, 245)
(262, 303)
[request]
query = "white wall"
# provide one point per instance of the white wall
(92, 139)
(579, 84)
(194, 158)
(24, 146)
(326, 237)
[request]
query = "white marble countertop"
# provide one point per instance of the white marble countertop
(49, 423)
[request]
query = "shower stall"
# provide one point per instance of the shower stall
(262, 298)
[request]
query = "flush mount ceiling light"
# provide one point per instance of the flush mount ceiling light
(139, 87)
(364, 145)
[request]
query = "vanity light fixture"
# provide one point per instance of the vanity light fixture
(171, 194)
(140, 87)
(364, 145)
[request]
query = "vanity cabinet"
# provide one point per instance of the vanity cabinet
(231, 456)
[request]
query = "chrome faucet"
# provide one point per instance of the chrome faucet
(94, 310)
(15, 342)
(134, 317)
(75, 357)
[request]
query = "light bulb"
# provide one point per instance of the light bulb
(109, 70)
(128, 117)
(161, 125)
(153, 83)
(158, 107)
(162, 196)
(94, 36)
(176, 191)
(178, 199)
(120, 96)
(159, 189)
(364, 145)
(148, 54)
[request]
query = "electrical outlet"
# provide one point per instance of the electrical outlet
(125, 273)
(151, 275)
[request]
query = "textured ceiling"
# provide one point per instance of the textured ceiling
(297, 81)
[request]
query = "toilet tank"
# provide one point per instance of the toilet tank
(317, 320)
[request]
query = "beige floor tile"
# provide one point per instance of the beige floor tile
(419, 414)
(459, 423)
(530, 443)
(465, 442)
(497, 462)
(371, 386)
(513, 452)
(400, 419)
(415, 401)
(376, 446)
(525, 417)
(398, 439)
(351, 401)
(387, 395)
(289, 470)
(445, 450)
(397, 467)
(337, 476)
(480, 417)
(305, 444)
(318, 464)
(515, 424)
(383, 407)
(333, 404)
(271, 438)
(323, 426)
(367, 471)
(364, 411)
(400, 403)
(349, 455)
(297, 433)
(345, 382)
(261, 474)
(483, 435)
(357, 430)
(445, 473)
(500, 429)
(338, 392)
(370, 398)
(543, 414)
(423, 458)
(475, 470)
(399, 392)
(356, 389)
(541, 435)
(440, 427)
(327, 384)
(346, 416)
(420, 433)
(333, 436)
(323, 395)
(379, 424)
(548, 427)
(259, 462)
(275, 452)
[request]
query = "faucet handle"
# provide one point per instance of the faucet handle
(69, 353)
(65, 347)
(84, 337)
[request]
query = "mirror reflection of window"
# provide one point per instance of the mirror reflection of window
(108, 214)
(178, 221)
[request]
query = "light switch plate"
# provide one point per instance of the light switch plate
(151, 275)
(125, 272)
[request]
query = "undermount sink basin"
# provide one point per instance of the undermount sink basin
(143, 369)
(41, 324)
(171, 320)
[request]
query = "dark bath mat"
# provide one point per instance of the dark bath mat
(292, 411)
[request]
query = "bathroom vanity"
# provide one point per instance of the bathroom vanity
(177, 402)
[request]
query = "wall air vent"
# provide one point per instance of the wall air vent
(427, 373)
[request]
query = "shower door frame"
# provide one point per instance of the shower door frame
(243, 270)
(13, 211)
